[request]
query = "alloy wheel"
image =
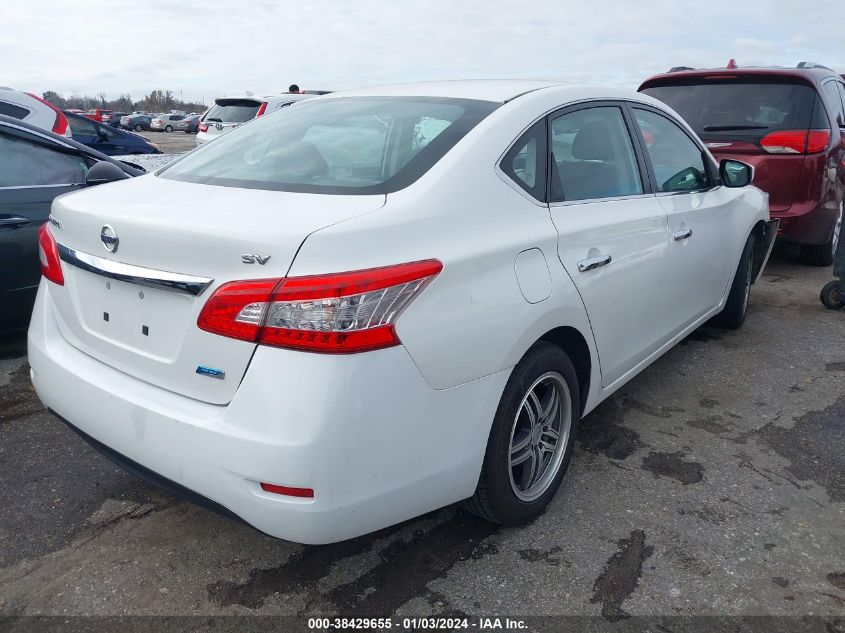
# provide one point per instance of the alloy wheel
(539, 436)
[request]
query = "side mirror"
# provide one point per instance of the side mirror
(103, 172)
(735, 173)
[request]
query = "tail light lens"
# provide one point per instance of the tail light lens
(60, 125)
(48, 254)
(203, 127)
(338, 313)
(261, 110)
(796, 141)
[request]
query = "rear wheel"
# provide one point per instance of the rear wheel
(831, 297)
(823, 254)
(168, 128)
(733, 316)
(531, 440)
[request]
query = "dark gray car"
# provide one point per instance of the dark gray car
(35, 167)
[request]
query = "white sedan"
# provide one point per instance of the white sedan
(380, 302)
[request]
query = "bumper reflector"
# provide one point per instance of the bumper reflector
(288, 491)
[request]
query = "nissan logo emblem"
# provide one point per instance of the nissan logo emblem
(108, 236)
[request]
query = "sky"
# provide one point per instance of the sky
(202, 50)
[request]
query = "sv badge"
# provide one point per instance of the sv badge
(254, 258)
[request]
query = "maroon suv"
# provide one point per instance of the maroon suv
(789, 123)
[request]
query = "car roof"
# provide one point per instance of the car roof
(64, 141)
(810, 74)
(497, 90)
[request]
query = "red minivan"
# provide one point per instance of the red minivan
(789, 123)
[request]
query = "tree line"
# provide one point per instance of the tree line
(155, 101)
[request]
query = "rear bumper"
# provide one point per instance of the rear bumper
(813, 226)
(376, 443)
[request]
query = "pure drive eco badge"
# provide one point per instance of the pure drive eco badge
(202, 370)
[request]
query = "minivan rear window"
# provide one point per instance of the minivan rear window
(12, 110)
(353, 145)
(233, 110)
(738, 109)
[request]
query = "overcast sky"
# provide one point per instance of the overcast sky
(214, 47)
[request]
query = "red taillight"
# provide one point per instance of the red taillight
(48, 254)
(261, 110)
(60, 125)
(203, 127)
(796, 141)
(288, 491)
(338, 313)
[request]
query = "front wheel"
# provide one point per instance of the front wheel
(736, 307)
(531, 440)
(139, 127)
(168, 129)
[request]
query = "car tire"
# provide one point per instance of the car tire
(830, 296)
(822, 254)
(736, 307)
(168, 129)
(138, 127)
(512, 490)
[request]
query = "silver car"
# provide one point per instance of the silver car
(228, 113)
(165, 122)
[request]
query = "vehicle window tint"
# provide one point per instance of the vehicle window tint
(677, 161)
(831, 88)
(592, 156)
(12, 110)
(26, 163)
(232, 111)
(81, 126)
(525, 162)
(738, 110)
(358, 145)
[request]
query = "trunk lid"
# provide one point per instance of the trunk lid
(169, 227)
(228, 113)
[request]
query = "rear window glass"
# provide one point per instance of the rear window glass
(233, 111)
(12, 110)
(364, 145)
(740, 110)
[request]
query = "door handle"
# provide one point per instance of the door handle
(593, 262)
(682, 234)
(13, 221)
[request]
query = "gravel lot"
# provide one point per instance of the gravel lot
(713, 484)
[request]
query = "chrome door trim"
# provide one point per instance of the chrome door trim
(163, 280)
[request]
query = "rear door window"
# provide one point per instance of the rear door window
(593, 156)
(25, 163)
(740, 110)
(677, 161)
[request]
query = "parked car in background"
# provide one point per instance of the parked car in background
(35, 167)
(137, 122)
(786, 122)
(34, 110)
(166, 122)
(115, 117)
(108, 140)
(97, 114)
(189, 124)
(456, 272)
(228, 113)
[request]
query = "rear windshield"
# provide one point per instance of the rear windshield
(336, 146)
(233, 111)
(740, 109)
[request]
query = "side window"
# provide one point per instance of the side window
(832, 91)
(677, 161)
(525, 162)
(842, 96)
(81, 126)
(27, 163)
(592, 156)
(14, 111)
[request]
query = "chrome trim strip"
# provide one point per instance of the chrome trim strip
(163, 280)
